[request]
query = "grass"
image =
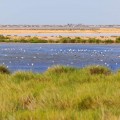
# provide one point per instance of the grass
(61, 93)
(60, 40)
(4, 70)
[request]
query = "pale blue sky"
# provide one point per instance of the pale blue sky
(59, 11)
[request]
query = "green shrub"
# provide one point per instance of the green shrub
(117, 40)
(91, 40)
(83, 41)
(108, 41)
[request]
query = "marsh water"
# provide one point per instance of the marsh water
(39, 57)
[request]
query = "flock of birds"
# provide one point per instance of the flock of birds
(40, 58)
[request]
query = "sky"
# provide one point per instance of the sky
(60, 12)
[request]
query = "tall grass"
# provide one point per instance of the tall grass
(61, 93)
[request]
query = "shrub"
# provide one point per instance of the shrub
(83, 41)
(22, 40)
(117, 40)
(91, 40)
(4, 37)
(108, 41)
(98, 41)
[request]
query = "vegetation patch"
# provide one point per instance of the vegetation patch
(61, 39)
(60, 69)
(4, 70)
(61, 93)
(99, 70)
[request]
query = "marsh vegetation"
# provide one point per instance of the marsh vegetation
(64, 93)
(60, 40)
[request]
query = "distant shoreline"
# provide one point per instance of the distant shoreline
(20, 31)
(13, 36)
(59, 39)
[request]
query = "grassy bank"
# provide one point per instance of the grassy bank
(61, 39)
(60, 93)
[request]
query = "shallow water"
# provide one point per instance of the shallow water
(38, 57)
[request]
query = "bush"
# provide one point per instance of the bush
(3, 37)
(108, 41)
(117, 40)
(91, 40)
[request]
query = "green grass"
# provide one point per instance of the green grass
(61, 93)
(60, 40)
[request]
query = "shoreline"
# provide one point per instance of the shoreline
(21, 31)
(15, 36)
(60, 39)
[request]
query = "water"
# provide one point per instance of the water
(67, 34)
(39, 57)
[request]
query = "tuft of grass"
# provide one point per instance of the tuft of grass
(99, 70)
(88, 103)
(60, 69)
(4, 70)
(20, 76)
